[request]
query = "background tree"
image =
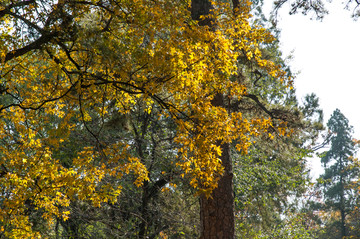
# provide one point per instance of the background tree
(315, 7)
(337, 180)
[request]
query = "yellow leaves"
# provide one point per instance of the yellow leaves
(36, 178)
(21, 229)
(51, 187)
(86, 116)
(152, 54)
(65, 215)
(163, 235)
(169, 187)
(201, 151)
(138, 168)
(216, 149)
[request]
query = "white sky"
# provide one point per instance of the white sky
(327, 55)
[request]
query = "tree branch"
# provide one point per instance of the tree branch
(32, 46)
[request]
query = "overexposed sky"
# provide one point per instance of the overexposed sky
(327, 56)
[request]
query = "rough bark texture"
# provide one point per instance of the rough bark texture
(217, 211)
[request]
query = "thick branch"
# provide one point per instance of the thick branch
(256, 99)
(37, 44)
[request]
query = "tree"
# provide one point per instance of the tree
(338, 177)
(265, 97)
(316, 7)
(274, 170)
(216, 211)
(65, 63)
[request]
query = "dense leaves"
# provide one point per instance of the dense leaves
(72, 68)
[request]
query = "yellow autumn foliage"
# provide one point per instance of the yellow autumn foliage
(96, 53)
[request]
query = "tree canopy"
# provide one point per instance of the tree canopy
(66, 64)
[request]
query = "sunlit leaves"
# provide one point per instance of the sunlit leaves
(84, 59)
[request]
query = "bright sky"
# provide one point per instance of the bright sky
(327, 55)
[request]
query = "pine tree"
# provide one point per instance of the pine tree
(338, 175)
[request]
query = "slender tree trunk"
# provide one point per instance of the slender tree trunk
(57, 229)
(217, 211)
(342, 208)
(343, 226)
(144, 211)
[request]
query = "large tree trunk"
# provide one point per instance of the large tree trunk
(217, 211)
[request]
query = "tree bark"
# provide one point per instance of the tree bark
(217, 219)
(342, 206)
(343, 225)
(217, 212)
